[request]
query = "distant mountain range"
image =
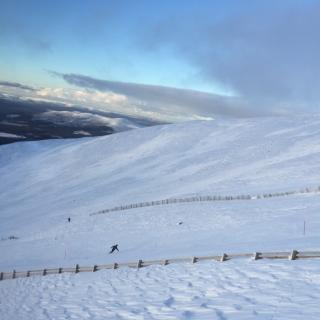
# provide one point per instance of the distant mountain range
(25, 120)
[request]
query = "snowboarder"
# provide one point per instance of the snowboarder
(113, 248)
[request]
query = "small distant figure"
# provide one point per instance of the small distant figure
(113, 248)
(69, 219)
(180, 223)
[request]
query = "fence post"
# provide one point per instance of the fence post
(13, 274)
(115, 266)
(293, 255)
(77, 268)
(256, 256)
(95, 268)
(224, 257)
(194, 260)
(139, 264)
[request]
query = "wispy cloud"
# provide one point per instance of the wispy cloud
(16, 85)
(81, 96)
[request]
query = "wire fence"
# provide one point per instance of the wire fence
(206, 198)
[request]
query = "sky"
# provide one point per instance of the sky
(175, 59)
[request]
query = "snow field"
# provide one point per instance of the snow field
(241, 289)
(154, 233)
(44, 183)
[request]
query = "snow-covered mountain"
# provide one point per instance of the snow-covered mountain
(29, 120)
(45, 182)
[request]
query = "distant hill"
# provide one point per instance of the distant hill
(25, 120)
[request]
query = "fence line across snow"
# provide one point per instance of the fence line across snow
(205, 198)
(292, 255)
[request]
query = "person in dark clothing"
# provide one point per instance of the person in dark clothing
(69, 219)
(113, 248)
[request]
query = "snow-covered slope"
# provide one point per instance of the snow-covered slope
(43, 183)
(235, 290)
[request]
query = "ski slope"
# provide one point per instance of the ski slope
(43, 183)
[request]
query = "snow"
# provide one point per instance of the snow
(82, 132)
(45, 182)
(152, 233)
(7, 123)
(231, 290)
(84, 119)
(13, 116)
(10, 135)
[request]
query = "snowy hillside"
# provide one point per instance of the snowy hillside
(45, 182)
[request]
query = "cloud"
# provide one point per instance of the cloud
(169, 102)
(81, 96)
(266, 51)
(16, 85)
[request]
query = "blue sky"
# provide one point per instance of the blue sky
(103, 39)
(262, 52)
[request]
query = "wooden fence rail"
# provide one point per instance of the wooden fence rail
(292, 255)
(206, 198)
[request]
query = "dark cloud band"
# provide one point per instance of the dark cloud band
(167, 99)
(16, 85)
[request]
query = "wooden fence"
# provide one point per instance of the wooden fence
(293, 255)
(206, 198)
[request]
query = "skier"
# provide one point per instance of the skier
(113, 248)
(69, 219)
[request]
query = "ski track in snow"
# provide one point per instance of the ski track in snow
(211, 290)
